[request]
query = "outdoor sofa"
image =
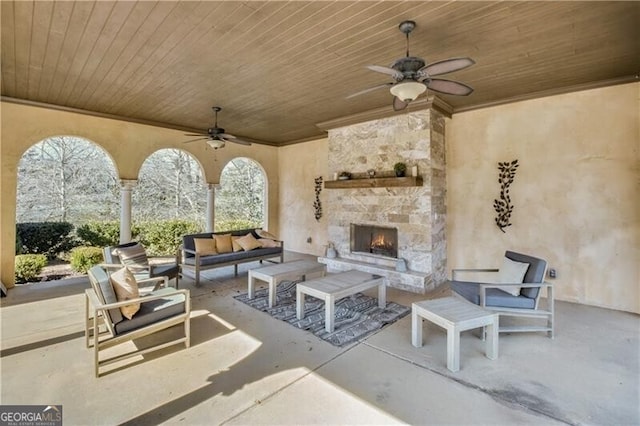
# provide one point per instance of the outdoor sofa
(194, 261)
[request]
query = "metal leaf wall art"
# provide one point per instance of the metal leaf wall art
(503, 205)
(317, 206)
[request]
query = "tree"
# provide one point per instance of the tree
(170, 186)
(240, 200)
(66, 178)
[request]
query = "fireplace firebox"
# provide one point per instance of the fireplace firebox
(372, 239)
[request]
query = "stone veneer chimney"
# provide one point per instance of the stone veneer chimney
(417, 139)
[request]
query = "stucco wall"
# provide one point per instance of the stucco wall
(128, 144)
(299, 165)
(576, 193)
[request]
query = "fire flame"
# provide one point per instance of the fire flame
(379, 242)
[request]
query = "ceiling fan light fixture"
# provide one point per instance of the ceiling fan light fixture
(215, 143)
(407, 91)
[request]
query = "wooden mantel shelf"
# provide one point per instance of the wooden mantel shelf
(384, 182)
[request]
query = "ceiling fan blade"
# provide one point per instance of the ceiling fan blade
(399, 105)
(370, 89)
(445, 66)
(196, 134)
(448, 87)
(397, 75)
(230, 138)
(198, 139)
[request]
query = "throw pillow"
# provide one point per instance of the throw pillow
(234, 243)
(205, 245)
(134, 256)
(223, 243)
(265, 234)
(512, 272)
(248, 242)
(126, 288)
(266, 242)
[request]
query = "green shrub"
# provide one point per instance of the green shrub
(83, 258)
(162, 238)
(235, 224)
(29, 266)
(48, 238)
(99, 234)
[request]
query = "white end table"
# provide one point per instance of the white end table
(335, 287)
(454, 315)
(275, 274)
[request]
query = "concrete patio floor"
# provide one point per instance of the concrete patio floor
(245, 367)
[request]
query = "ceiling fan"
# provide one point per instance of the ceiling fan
(215, 136)
(413, 76)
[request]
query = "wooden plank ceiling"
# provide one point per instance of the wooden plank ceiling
(278, 68)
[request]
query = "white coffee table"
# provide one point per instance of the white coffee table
(275, 274)
(335, 287)
(455, 315)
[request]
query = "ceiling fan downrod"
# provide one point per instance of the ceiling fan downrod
(216, 109)
(406, 27)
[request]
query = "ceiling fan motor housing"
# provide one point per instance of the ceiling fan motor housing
(408, 66)
(214, 131)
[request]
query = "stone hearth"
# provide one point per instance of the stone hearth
(418, 212)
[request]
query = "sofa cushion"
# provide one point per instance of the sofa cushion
(188, 244)
(512, 272)
(248, 242)
(154, 310)
(234, 243)
(265, 234)
(234, 257)
(205, 245)
(267, 242)
(494, 296)
(223, 243)
(126, 288)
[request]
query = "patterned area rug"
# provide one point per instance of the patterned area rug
(357, 316)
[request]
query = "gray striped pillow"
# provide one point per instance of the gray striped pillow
(134, 256)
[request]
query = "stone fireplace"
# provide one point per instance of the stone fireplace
(416, 213)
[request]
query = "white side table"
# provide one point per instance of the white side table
(454, 315)
(274, 274)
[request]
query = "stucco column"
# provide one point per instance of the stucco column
(125, 209)
(211, 203)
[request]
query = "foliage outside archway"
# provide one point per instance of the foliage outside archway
(241, 200)
(66, 179)
(170, 186)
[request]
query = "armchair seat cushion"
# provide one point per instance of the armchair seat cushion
(162, 269)
(494, 296)
(153, 311)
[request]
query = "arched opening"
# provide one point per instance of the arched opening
(66, 178)
(170, 186)
(63, 182)
(241, 201)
